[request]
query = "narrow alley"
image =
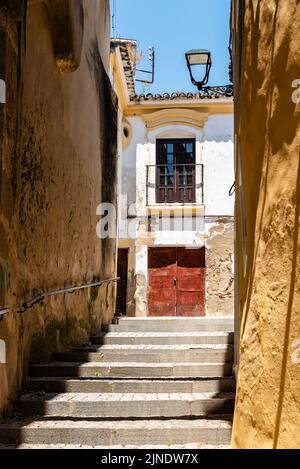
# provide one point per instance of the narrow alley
(149, 225)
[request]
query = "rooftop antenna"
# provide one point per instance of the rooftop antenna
(151, 58)
(114, 19)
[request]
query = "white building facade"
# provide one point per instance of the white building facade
(176, 225)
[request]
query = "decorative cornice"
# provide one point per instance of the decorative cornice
(127, 49)
(175, 116)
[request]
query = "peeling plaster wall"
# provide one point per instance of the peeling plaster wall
(219, 246)
(267, 61)
(214, 149)
(57, 149)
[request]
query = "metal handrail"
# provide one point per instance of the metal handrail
(39, 298)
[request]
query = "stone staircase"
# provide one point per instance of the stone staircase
(149, 382)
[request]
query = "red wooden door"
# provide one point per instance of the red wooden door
(190, 299)
(162, 265)
(176, 282)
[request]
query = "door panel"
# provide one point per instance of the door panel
(162, 282)
(193, 259)
(191, 283)
(163, 302)
(176, 282)
(190, 304)
(162, 269)
(162, 261)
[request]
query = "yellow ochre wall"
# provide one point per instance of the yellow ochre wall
(266, 62)
(58, 155)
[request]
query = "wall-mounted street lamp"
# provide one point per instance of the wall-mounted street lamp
(199, 63)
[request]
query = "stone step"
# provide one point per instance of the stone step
(113, 433)
(171, 324)
(131, 370)
(116, 447)
(149, 354)
(64, 385)
(162, 338)
(125, 406)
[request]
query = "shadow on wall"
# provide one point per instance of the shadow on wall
(290, 310)
(268, 123)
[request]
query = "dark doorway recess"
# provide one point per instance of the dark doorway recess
(122, 284)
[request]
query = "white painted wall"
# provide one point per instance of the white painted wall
(219, 128)
(218, 160)
(129, 158)
(214, 148)
(218, 178)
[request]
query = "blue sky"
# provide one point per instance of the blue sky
(173, 27)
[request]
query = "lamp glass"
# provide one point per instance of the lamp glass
(199, 63)
(199, 57)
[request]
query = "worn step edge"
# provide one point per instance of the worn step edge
(114, 447)
(180, 319)
(122, 397)
(125, 385)
(127, 338)
(160, 405)
(143, 356)
(165, 334)
(107, 433)
(132, 369)
(156, 347)
(164, 327)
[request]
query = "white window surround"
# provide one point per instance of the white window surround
(176, 132)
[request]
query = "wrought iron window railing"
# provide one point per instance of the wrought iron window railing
(175, 183)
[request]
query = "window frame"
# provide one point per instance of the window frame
(177, 192)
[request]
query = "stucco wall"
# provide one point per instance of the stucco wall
(267, 61)
(58, 156)
(218, 178)
(214, 149)
(219, 245)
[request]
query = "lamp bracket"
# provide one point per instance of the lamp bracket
(216, 91)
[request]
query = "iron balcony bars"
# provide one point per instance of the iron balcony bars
(217, 91)
(42, 296)
(180, 183)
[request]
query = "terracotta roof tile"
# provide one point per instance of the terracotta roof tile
(128, 53)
